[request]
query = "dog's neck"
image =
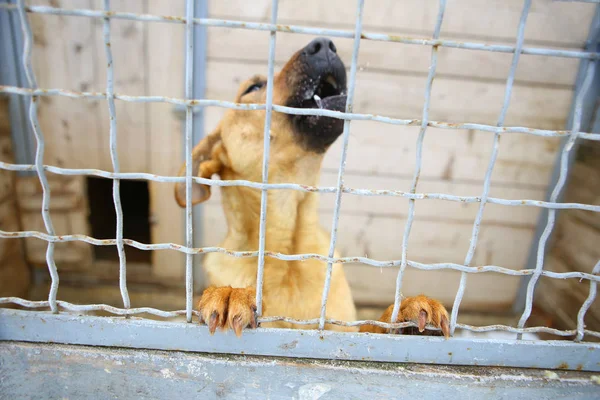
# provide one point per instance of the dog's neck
(292, 218)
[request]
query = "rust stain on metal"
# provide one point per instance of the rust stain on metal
(289, 346)
(172, 18)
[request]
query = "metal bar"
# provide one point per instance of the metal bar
(586, 305)
(295, 111)
(179, 313)
(488, 174)
(298, 187)
(199, 92)
(564, 162)
(340, 181)
(39, 153)
(114, 156)
(592, 43)
(292, 257)
(265, 164)
(418, 161)
(189, 123)
(307, 30)
(139, 333)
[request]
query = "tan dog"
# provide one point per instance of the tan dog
(314, 77)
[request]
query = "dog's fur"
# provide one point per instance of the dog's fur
(234, 151)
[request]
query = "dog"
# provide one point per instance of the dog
(314, 77)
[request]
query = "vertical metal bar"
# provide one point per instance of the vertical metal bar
(265, 165)
(564, 170)
(189, 123)
(488, 175)
(199, 92)
(586, 304)
(110, 97)
(39, 153)
(420, 138)
(592, 45)
(340, 181)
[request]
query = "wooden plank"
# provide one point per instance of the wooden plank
(9, 222)
(563, 23)
(14, 273)
(576, 243)
(68, 210)
(458, 64)
(67, 45)
(451, 155)
(165, 46)
(536, 107)
(130, 63)
(66, 193)
(561, 299)
(69, 256)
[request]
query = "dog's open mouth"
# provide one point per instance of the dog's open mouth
(328, 94)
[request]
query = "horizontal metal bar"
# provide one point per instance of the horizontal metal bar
(139, 333)
(294, 257)
(306, 30)
(297, 111)
(302, 188)
(174, 314)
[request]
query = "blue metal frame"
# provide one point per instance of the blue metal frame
(146, 334)
(12, 73)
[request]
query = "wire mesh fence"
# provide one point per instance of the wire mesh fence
(589, 60)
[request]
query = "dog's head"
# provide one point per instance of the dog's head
(314, 77)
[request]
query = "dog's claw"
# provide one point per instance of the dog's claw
(237, 325)
(422, 320)
(212, 323)
(445, 325)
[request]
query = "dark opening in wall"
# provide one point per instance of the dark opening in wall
(135, 202)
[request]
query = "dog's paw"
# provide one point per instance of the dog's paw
(228, 308)
(421, 310)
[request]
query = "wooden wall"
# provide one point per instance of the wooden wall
(14, 272)
(469, 87)
(574, 246)
(69, 53)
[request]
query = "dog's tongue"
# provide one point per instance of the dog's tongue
(334, 103)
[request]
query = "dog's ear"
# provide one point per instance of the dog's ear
(205, 163)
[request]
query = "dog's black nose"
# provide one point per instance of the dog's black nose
(319, 48)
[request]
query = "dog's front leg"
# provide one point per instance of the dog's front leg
(419, 309)
(226, 307)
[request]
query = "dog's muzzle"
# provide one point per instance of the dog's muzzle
(319, 82)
